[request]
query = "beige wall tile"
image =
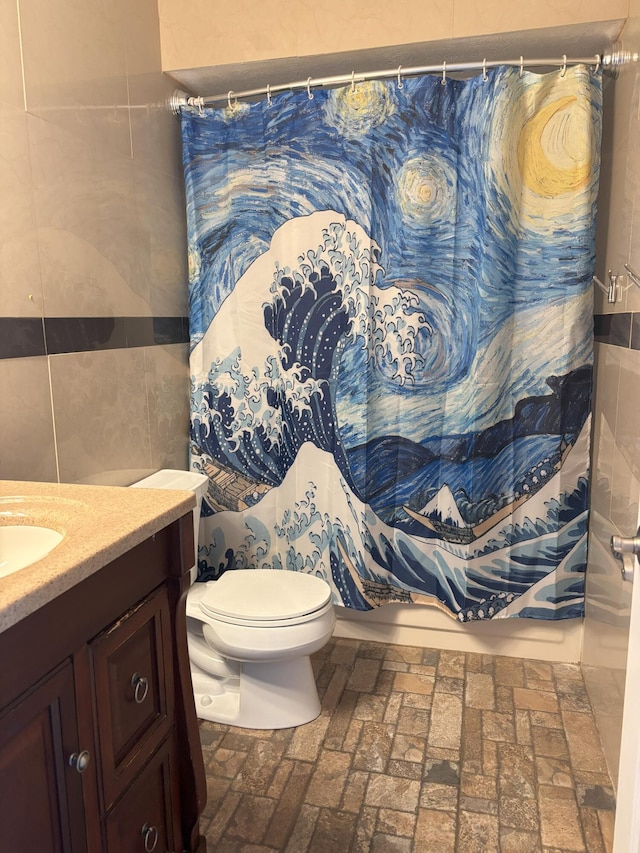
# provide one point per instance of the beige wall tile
(87, 225)
(159, 185)
(161, 242)
(27, 449)
(606, 391)
(75, 61)
(608, 610)
(631, 77)
(167, 377)
(155, 131)
(11, 93)
(614, 501)
(625, 483)
(101, 416)
(330, 26)
(613, 226)
(141, 29)
(607, 695)
(193, 36)
(20, 286)
(475, 17)
(230, 33)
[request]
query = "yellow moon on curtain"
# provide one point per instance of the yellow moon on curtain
(553, 151)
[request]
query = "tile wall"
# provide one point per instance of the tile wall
(615, 489)
(93, 301)
(302, 28)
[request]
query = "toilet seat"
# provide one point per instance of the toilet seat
(265, 598)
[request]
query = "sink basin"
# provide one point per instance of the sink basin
(23, 544)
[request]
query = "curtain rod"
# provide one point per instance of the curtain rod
(608, 61)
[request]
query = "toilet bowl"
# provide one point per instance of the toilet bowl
(250, 635)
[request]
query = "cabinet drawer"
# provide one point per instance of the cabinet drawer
(133, 691)
(143, 820)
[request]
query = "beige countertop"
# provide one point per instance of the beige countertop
(99, 523)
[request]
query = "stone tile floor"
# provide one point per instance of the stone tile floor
(417, 751)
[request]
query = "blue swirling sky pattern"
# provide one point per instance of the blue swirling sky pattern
(391, 327)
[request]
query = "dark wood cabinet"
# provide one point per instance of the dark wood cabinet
(99, 746)
(41, 804)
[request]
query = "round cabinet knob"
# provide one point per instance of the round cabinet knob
(150, 837)
(80, 760)
(140, 686)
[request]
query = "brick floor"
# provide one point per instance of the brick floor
(417, 751)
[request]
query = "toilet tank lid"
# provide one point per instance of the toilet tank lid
(265, 594)
(172, 478)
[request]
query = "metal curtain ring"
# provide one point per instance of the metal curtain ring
(150, 836)
(309, 92)
(400, 83)
(140, 686)
(229, 98)
(484, 71)
(353, 81)
(563, 70)
(269, 94)
(444, 73)
(521, 66)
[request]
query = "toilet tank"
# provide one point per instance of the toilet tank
(189, 481)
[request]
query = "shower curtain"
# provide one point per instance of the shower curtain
(391, 337)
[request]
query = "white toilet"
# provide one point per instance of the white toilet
(250, 635)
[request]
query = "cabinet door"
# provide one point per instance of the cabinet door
(144, 819)
(133, 674)
(41, 801)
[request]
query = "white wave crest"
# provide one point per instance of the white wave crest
(388, 321)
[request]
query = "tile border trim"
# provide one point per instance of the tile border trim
(24, 337)
(619, 330)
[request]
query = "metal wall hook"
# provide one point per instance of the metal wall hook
(633, 275)
(613, 290)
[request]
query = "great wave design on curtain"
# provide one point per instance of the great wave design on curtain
(391, 325)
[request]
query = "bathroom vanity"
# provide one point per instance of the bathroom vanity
(99, 745)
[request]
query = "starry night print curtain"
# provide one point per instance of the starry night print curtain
(391, 338)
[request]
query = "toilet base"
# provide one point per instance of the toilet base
(267, 695)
